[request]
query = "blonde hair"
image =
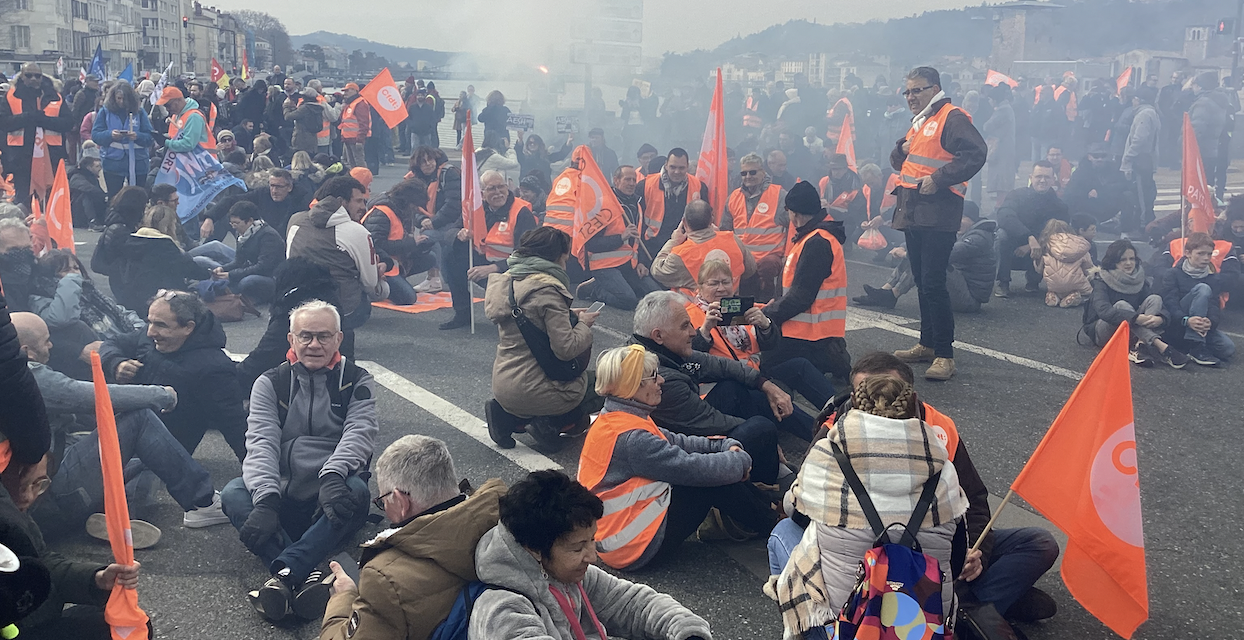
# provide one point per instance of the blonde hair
(711, 268)
(1052, 227)
(886, 396)
(163, 218)
(610, 375)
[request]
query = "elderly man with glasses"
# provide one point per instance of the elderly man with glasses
(34, 119)
(310, 437)
(277, 204)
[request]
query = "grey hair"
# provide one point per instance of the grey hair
(311, 306)
(316, 84)
(7, 223)
(420, 467)
(752, 158)
(491, 174)
(928, 74)
(656, 310)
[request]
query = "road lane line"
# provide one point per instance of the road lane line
(611, 332)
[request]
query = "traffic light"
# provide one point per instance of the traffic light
(185, 22)
(1226, 26)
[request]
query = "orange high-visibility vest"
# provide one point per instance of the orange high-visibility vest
(926, 152)
(827, 317)
(179, 122)
(351, 127)
(1222, 249)
(751, 113)
(17, 138)
(634, 510)
(694, 254)
(888, 199)
(324, 135)
(654, 203)
(397, 231)
(749, 356)
(1070, 110)
(499, 243)
(626, 253)
(841, 202)
(759, 232)
(560, 204)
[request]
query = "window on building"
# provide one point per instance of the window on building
(21, 36)
(21, 5)
(80, 10)
(64, 40)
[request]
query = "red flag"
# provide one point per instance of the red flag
(246, 68)
(996, 78)
(218, 71)
(382, 94)
(40, 242)
(59, 212)
(712, 166)
(1084, 477)
(846, 140)
(40, 167)
(596, 205)
(1123, 80)
(122, 613)
(472, 198)
(1195, 186)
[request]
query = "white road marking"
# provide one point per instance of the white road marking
(611, 332)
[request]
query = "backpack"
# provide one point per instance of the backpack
(282, 378)
(458, 622)
(898, 591)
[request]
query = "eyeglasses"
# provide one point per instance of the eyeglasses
(305, 338)
(916, 91)
(168, 294)
(31, 76)
(651, 378)
(379, 502)
(749, 172)
(40, 485)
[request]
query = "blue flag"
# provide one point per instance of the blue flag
(128, 74)
(199, 178)
(97, 63)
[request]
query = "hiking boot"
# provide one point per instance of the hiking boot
(874, 297)
(1141, 355)
(312, 598)
(1174, 358)
(207, 516)
(941, 369)
(457, 322)
(1200, 354)
(431, 285)
(501, 425)
(1034, 605)
(918, 353)
(272, 600)
(1002, 290)
(1073, 300)
(143, 534)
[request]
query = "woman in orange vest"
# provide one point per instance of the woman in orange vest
(657, 486)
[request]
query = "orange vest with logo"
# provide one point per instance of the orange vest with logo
(926, 154)
(397, 231)
(654, 203)
(635, 509)
(499, 243)
(694, 254)
(626, 253)
(560, 204)
(17, 138)
(758, 232)
(351, 127)
(179, 122)
(749, 356)
(827, 317)
(324, 135)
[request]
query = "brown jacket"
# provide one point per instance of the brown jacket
(518, 382)
(411, 576)
(941, 210)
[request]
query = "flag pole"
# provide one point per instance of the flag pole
(992, 519)
(470, 293)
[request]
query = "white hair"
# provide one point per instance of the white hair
(311, 306)
(656, 311)
(7, 223)
(491, 174)
(753, 159)
(316, 84)
(609, 368)
(420, 467)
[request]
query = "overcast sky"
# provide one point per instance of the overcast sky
(669, 25)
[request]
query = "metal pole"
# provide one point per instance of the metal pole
(470, 293)
(1235, 44)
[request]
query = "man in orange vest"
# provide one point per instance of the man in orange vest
(355, 126)
(812, 310)
(207, 106)
(941, 152)
(645, 155)
(666, 196)
(756, 213)
(618, 278)
(841, 191)
(391, 224)
(32, 109)
(678, 264)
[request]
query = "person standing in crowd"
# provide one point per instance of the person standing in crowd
(307, 116)
(301, 495)
(1121, 293)
(606, 158)
(123, 132)
(999, 133)
(421, 119)
(207, 106)
(1021, 219)
(756, 213)
(251, 105)
(495, 115)
(1209, 115)
(83, 103)
(32, 109)
(533, 155)
(507, 218)
(1223, 148)
(665, 196)
(617, 277)
(543, 556)
(355, 127)
(187, 128)
(1140, 154)
(695, 241)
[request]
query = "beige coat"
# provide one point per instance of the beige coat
(518, 382)
(1065, 264)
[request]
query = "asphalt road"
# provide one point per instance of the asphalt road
(194, 582)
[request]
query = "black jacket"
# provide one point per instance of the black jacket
(148, 263)
(1174, 284)
(275, 214)
(975, 256)
(1025, 212)
(378, 224)
(109, 249)
(815, 265)
(17, 159)
(87, 200)
(1113, 190)
(941, 210)
(682, 410)
(251, 106)
(24, 421)
(447, 210)
(260, 255)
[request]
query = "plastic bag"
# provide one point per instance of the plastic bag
(872, 240)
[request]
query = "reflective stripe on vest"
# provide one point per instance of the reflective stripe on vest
(499, 243)
(635, 509)
(827, 316)
(17, 138)
(397, 231)
(926, 153)
(350, 126)
(654, 202)
(758, 230)
(694, 254)
(325, 133)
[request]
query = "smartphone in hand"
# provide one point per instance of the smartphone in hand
(596, 307)
(732, 309)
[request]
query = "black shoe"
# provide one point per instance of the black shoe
(1201, 355)
(457, 322)
(312, 598)
(586, 290)
(500, 427)
(1034, 605)
(874, 297)
(1030, 287)
(272, 600)
(1141, 355)
(547, 435)
(1174, 358)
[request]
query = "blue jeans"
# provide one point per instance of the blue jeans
(257, 289)
(304, 540)
(401, 291)
(1196, 303)
(212, 254)
(803, 378)
(929, 254)
(621, 287)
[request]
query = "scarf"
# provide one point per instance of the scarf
(522, 266)
(918, 120)
(1197, 273)
(1122, 281)
(255, 227)
(627, 405)
(672, 189)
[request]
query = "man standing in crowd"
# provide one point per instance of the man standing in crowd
(606, 158)
(1140, 153)
(1208, 115)
(355, 127)
(187, 128)
(756, 213)
(311, 432)
(941, 152)
(1021, 219)
(696, 240)
(32, 113)
(207, 106)
(666, 196)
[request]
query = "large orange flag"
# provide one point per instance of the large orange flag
(1123, 80)
(996, 78)
(122, 613)
(596, 205)
(382, 94)
(60, 212)
(1195, 186)
(472, 197)
(1084, 477)
(846, 140)
(40, 167)
(712, 167)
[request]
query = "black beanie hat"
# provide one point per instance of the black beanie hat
(803, 199)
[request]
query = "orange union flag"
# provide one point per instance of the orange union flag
(1195, 187)
(382, 94)
(1084, 477)
(711, 167)
(596, 205)
(60, 213)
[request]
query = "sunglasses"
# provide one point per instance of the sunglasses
(749, 172)
(31, 76)
(916, 91)
(169, 294)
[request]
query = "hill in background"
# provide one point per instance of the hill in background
(393, 54)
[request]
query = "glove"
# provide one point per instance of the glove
(336, 499)
(263, 522)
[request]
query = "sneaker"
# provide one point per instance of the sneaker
(918, 353)
(207, 516)
(143, 534)
(499, 430)
(1034, 605)
(1201, 355)
(312, 598)
(1174, 358)
(1002, 290)
(1031, 287)
(1051, 300)
(272, 600)
(431, 285)
(942, 369)
(874, 297)
(457, 322)
(1141, 355)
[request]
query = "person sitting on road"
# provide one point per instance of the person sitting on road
(1098, 188)
(542, 556)
(412, 573)
(311, 432)
(667, 478)
(77, 483)
(1191, 292)
(154, 258)
(746, 342)
(297, 280)
(1121, 293)
(894, 454)
(278, 200)
(183, 348)
(124, 217)
(1021, 218)
(390, 220)
(73, 290)
(695, 240)
(619, 277)
(1064, 262)
(259, 252)
(524, 393)
(969, 278)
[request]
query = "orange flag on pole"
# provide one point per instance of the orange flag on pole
(122, 613)
(60, 212)
(382, 94)
(472, 197)
(1195, 186)
(596, 205)
(712, 166)
(40, 241)
(40, 167)
(846, 140)
(996, 78)
(1084, 477)
(1123, 80)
